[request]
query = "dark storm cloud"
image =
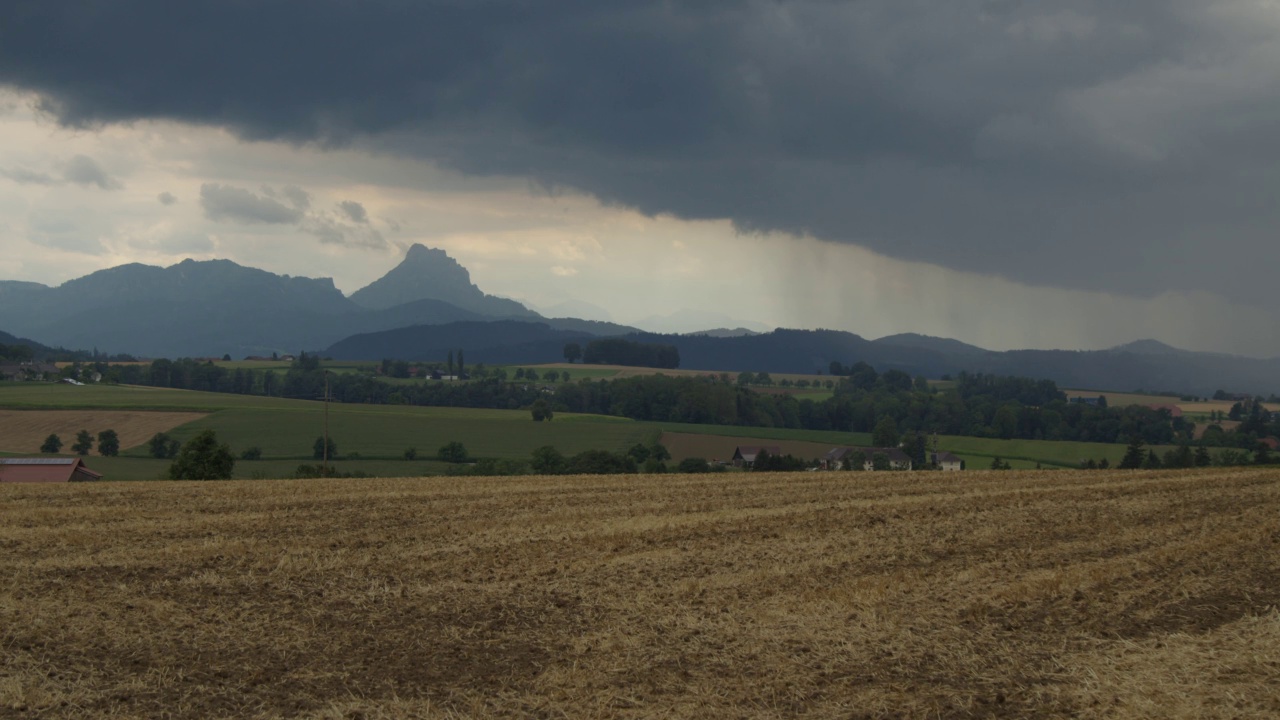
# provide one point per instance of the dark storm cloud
(224, 203)
(1084, 143)
(84, 170)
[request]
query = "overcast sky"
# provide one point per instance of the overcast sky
(1012, 174)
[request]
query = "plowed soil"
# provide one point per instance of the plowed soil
(827, 595)
(24, 431)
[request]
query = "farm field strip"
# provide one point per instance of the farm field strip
(976, 451)
(1013, 594)
(24, 431)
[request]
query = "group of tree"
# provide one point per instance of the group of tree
(16, 353)
(108, 443)
(1137, 456)
(324, 448)
(765, 462)
(547, 460)
(976, 404)
(162, 446)
(548, 376)
(617, 351)
(203, 458)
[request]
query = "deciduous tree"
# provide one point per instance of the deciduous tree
(541, 410)
(203, 458)
(162, 446)
(83, 443)
(108, 443)
(885, 434)
(318, 448)
(453, 451)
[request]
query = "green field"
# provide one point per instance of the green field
(385, 431)
(43, 396)
(286, 430)
(146, 468)
(576, 372)
(1119, 399)
(976, 452)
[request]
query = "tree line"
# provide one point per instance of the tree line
(977, 404)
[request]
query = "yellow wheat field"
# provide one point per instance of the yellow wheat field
(842, 595)
(24, 431)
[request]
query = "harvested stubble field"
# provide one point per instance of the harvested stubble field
(24, 431)
(1016, 594)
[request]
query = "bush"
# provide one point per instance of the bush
(318, 448)
(253, 453)
(411, 454)
(547, 460)
(491, 467)
(319, 471)
(600, 462)
(541, 410)
(453, 452)
(693, 465)
(52, 444)
(162, 446)
(654, 466)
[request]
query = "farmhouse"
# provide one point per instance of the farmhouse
(45, 470)
(837, 458)
(1174, 410)
(745, 455)
(946, 461)
(1085, 400)
(898, 460)
(27, 371)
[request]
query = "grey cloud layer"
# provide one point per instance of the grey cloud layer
(1128, 146)
(224, 203)
(348, 225)
(84, 170)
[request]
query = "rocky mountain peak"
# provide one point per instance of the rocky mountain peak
(430, 274)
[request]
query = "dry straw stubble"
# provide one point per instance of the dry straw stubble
(824, 595)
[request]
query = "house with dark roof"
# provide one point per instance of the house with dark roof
(45, 470)
(898, 460)
(745, 455)
(1174, 410)
(838, 458)
(946, 461)
(27, 371)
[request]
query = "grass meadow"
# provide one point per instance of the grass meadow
(976, 452)
(1045, 594)
(286, 430)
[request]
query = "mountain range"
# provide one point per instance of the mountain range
(427, 305)
(216, 307)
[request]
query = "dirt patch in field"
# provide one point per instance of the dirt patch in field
(24, 431)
